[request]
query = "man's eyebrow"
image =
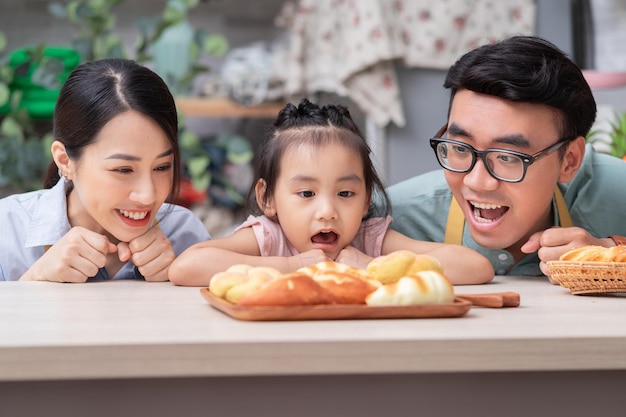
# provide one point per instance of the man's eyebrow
(515, 140)
(126, 157)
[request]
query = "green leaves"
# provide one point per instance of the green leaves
(617, 134)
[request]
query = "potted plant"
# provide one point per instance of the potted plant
(24, 152)
(616, 133)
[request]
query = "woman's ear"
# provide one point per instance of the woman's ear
(267, 207)
(573, 159)
(62, 159)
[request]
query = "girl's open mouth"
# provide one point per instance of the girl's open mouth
(325, 238)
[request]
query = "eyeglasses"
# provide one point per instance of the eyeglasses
(502, 164)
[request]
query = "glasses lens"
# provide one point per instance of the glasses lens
(455, 157)
(505, 166)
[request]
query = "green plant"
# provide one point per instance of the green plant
(617, 134)
(24, 153)
(95, 21)
(96, 39)
(172, 22)
(216, 165)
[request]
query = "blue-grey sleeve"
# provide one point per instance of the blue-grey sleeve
(182, 227)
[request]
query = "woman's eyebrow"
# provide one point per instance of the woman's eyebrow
(126, 157)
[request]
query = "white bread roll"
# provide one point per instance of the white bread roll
(424, 287)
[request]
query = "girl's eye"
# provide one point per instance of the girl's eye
(345, 193)
(166, 167)
(306, 194)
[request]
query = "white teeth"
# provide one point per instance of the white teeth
(135, 215)
(479, 218)
(485, 205)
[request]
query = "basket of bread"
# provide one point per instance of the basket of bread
(591, 269)
(399, 285)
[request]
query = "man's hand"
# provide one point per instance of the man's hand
(551, 243)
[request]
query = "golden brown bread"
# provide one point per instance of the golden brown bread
(289, 290)
(349, 284)
(240, 280)
(399, 278)
(390, 268)
(592, 253)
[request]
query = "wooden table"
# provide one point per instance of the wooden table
(157, 349)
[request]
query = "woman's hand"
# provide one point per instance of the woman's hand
(74, 258)
(151, 253)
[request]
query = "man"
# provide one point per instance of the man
(526, 187)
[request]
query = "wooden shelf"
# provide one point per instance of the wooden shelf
(221, 107)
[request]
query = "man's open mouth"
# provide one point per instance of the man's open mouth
(487, 213)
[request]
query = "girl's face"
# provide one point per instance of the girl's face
(121, 179)
(320, 197)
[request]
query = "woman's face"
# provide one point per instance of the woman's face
(122, 179)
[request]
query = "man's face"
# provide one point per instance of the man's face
(502, 215)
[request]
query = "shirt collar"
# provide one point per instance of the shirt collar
(49, 221)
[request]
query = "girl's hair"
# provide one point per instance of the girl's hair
(532, 70)
(313, 125)
(96, 92)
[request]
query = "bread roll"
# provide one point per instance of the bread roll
(591, 253)
(424, 287)
(389, 268)
(239, 280)
(289, 290)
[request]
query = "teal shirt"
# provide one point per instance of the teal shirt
(596, 199)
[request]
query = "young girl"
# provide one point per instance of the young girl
(312, 196)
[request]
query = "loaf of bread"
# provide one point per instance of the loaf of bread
(400, 278)
(348, 284)
(591, 253)
(289, 290)
(423, 287)
(390, 268)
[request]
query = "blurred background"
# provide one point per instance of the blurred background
(232, 64)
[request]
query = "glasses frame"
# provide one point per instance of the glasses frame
(527, 160)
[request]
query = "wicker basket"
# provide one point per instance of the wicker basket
(582, 277)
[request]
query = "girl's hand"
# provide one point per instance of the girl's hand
(307, 258)
(353, 257)
(74, 258)
(151, 253)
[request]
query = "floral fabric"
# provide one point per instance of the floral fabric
(349, 47)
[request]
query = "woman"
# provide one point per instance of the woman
(102, 214)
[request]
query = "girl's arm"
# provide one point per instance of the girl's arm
(461, 264)
(197, 264)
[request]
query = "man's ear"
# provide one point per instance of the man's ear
(267, 207)
(573, 159)
(62, 159)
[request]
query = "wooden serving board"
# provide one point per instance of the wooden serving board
(336, 311)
